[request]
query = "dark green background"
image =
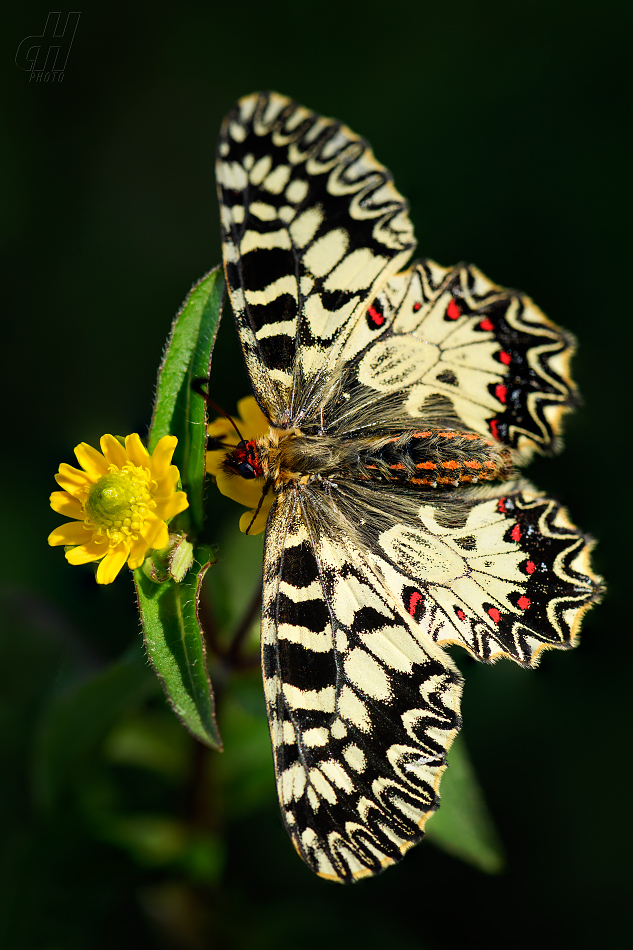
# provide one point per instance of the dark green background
(507, 125)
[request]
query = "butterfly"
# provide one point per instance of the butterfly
(401, 403)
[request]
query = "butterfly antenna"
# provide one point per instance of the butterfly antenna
(198, 387)
(259, 505)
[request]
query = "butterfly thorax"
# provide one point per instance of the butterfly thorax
(423, 457)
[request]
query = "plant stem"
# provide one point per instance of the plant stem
(233, 659)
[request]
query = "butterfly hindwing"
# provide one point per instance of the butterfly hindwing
(361, 708)
(449, 341)
(500, 571)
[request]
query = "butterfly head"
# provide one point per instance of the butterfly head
(244, 460)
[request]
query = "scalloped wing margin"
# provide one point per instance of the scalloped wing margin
(361, 708)
(312, 225)
(500, 571)
(484, 356)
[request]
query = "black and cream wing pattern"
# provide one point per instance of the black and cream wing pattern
(402, 402)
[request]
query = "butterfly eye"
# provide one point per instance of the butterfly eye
(247, 470)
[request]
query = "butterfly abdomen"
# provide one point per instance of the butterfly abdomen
(432, 457)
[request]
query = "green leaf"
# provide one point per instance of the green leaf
(177, 409)
(463, 826)
(174, 644)
(169, 610)
(78, 720)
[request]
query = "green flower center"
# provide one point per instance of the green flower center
(119, 503)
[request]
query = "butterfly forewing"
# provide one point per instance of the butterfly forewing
(311, 225)
(361, 709)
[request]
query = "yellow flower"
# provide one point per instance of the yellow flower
(121, 502)
(252, 423)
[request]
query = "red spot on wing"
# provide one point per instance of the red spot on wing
(523, 603)
(486, 324)
(493, 428)
(501, 392)
(461, 614)
(516, 533)
(501, 505)
(416, 306)
(453, 311)
(376, 316)
(494, 614)
(530, 567)
(415, 599)
(505, 357)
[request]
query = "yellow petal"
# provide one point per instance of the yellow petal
(166, 484)
(72, 479)
(245, 491)
(162, 455)
(255, 422)
(259, 523)
(65, 504)
(112, 564)
(90, 460)
(113, 451)
(73, 532)
(177, 502)
(87, 552)
(214, 461)
(155, 532)
(222, 429)
(138, 550)
(136, 450)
